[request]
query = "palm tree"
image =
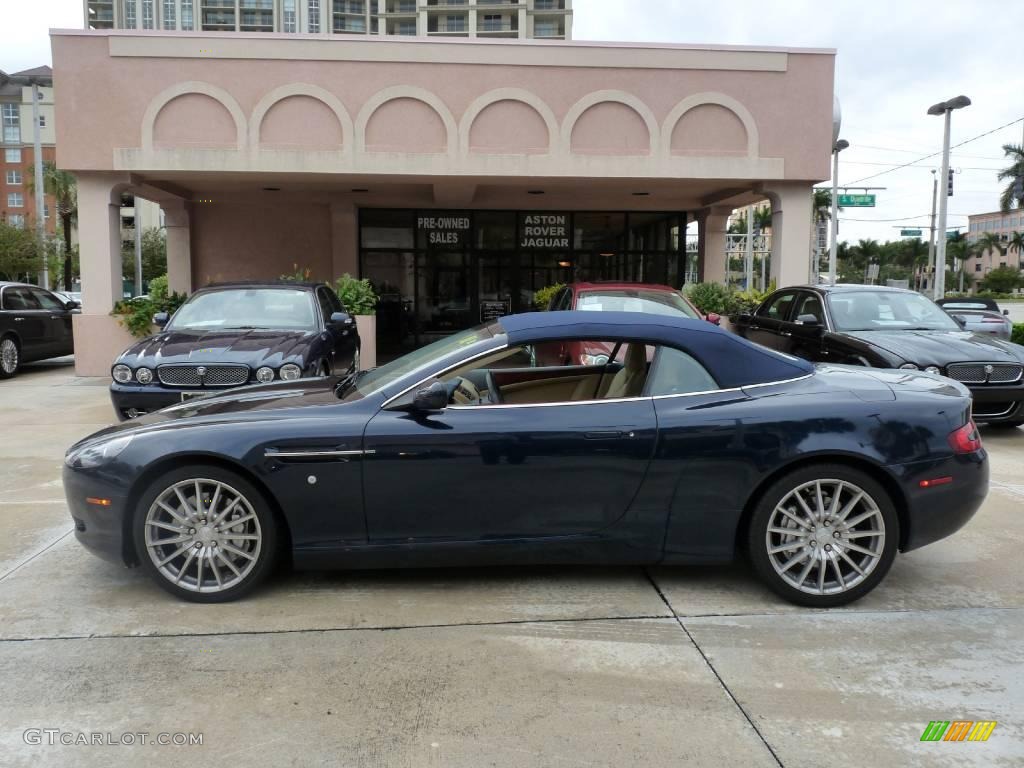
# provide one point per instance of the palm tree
(1016, 243)
(62, 187)
(914, 256)
(763, 218)
(1014, 174)
(958, 247)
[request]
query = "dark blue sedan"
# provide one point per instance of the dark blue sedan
(685, 446)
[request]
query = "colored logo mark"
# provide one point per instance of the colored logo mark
(958, 730)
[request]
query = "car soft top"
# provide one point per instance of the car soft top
(733, 361)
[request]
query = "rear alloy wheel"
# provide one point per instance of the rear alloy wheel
(205, 534)
(10, 359)
(824, 536)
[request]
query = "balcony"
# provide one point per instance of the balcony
(401, 8)
(497, 26)
(549, 5)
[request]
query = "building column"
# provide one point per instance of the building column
(98, 336)
(711, 228)
(792, 220)
(344, 239)
(177, 225)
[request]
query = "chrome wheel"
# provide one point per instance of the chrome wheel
(8, 357)
(825, 537)
(202, 535)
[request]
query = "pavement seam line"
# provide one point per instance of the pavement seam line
(45, 549)
(326, 630)
(714, 671)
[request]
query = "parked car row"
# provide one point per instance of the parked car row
(35, 324)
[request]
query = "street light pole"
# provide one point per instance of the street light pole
(37, 148)
(931, 238)
(944, 108)
(838, 147)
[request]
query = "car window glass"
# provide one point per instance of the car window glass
(636, 300)
(336, 304)
(887, 310)
(677, 373)
(810, 304)
(246, 309)
(46, 300)
(325, 304)
(21, 298)
(777, 308)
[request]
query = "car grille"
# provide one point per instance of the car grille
(985, 373)
(212, 375)
(992, 410)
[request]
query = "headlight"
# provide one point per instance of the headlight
(290, 372)
(265, 375)
(122, 374)
(95, 454)
(908, 367)
(595, 359)
(144, 376)
(932, 369)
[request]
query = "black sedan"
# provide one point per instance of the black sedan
(892, 328)
(34, 325)
(232, 335)
(465, 452)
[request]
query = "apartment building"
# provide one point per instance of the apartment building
(1003, 225)
(17, 154)
(534, 19)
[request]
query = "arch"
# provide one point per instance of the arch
(507, 94)
(167, 95)
(282, 92)
(718, 99)
(616, 97)
(429, 98)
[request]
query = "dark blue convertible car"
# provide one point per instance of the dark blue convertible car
(685, 446)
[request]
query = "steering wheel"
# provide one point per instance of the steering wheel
(493, 393)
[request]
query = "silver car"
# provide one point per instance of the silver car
(979, 316)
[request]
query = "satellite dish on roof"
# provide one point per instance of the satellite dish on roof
(837, 119)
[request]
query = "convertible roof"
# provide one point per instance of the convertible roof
(733, 361)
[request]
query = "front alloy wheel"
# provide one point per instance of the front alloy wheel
(824, 536)
(9, 358)
(205, 535)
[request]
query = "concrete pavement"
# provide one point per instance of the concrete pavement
(503, 667)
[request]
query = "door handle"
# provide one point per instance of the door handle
(19, 319)
(785, 333)
(609, 435)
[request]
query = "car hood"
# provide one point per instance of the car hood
(250, 347)
(941, 347)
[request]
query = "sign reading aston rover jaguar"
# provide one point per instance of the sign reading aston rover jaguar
(544, 230)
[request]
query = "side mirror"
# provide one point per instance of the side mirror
(432, 399)
(1006, 312)
(77, 305)
(714, 318)
(808, 320)
(160, 319)
(341, 318)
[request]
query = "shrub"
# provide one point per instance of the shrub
(136, 315)
(1018, 333)
(745, 302)
(542, 298)
(709, 297)
(358, 296)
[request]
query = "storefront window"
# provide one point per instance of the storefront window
(387, 229)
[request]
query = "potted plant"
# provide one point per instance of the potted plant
(360, 300)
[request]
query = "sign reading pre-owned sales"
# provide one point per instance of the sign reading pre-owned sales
(444, 230)
(544, 230)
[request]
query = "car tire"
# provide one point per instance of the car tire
(210, 553)
(10, 357)
(804, 548)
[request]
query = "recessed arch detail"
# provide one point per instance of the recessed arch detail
(429, 98)
(301, 89)
(507, 94)
(616, 97)
(718, 99)
(168, 95)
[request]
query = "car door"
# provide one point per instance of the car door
(341, 337)
(505, 471)
(58, 325)
(806, 339)
(28, 321)
(766, 324)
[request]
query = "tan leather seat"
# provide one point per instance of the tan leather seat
(629, 382)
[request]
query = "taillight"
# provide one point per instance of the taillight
(966, 439)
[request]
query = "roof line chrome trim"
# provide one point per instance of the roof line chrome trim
(490, 406)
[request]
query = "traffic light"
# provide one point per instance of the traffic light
(949, 184)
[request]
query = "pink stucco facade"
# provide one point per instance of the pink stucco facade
(205, 123)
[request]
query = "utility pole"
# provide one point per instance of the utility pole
(138, 248)
(838, 147)
(37, 148)
(945, 109)
(931, 238)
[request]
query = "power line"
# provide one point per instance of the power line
(916, 151)
(933, 154)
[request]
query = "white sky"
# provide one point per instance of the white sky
(896, 58)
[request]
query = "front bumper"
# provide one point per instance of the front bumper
(100, 529)
(992, 404)
(131, 400)
(941, 510)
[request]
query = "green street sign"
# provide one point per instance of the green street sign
(856, 201)
(910, 233)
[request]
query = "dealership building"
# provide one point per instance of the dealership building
(459, 176)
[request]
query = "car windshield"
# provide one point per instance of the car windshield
(887, 310)
(372, 381)
(629, 300)
(279, 309)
